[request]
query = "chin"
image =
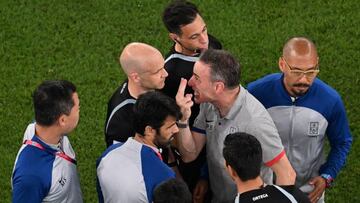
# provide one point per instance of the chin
(199, 101)
(299, 93)
(203, 49)
(160, 86)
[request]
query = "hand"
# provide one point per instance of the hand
(184, 101)
(200, 191)
(319, 187)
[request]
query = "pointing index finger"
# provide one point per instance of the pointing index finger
(182, 87)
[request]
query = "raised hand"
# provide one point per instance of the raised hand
(184, 101)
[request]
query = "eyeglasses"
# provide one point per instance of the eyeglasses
(299, 73)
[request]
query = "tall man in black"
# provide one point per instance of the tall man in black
(188, 31)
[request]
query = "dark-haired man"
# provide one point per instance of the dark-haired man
(45, 167)
(243, 157)
(188, 30)
(172, 191)
(129, 172)
(305, 111)
(226, 107)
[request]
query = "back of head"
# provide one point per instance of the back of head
(152, 108)
(299, 47)
(243, 153)
(51, 100)
(223, 67)
(177, 14)
(172, 191)
(136, 56)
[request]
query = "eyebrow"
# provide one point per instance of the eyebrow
(158, 70)
(311, 68)
(197, 34)
(316, 67)
(171, 125)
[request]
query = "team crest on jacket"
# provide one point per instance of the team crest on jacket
(313, 129)
(62, 181)
(210, 125)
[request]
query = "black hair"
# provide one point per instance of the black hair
(172, 191)
(152, 108)
(223, 67)
(243, 153)
(52, 99)
(179, 13)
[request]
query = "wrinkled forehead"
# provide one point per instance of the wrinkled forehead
(201, 69)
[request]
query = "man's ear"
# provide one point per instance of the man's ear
(174, 37)
(231, 171)
(62, 120)
(282, 65)
(219, 86)
(134, 76)
(149, 131)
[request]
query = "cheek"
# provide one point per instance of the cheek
(157, 77)
(290, 80)
(311, 80)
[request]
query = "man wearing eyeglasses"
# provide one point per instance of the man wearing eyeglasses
(305, 110)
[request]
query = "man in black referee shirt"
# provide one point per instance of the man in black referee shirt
(144, 67)
(243, 158)
(188, 31)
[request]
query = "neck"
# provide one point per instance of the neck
(226, 101)
(183, 50)
(249, 185)
(143, 140)
(49, 135)
(134, 90)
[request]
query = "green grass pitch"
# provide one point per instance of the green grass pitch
(80, 41)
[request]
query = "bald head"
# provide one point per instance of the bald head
(299, 47)
(136, 57)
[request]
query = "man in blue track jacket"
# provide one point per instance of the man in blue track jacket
(304, 110)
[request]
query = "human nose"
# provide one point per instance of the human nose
(191, 81)
(203, 38)
(165, 73)
(303, 78)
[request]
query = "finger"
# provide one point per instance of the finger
(182, 86)
(315, 194)
(189, 103)
(188, 96)
(312, 197)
